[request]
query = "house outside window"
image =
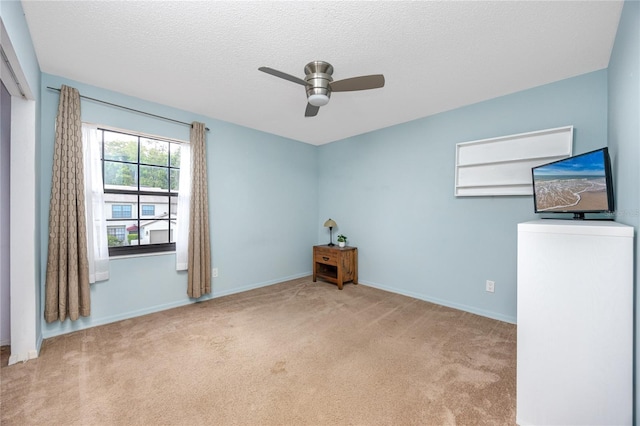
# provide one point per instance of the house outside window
(141, 179)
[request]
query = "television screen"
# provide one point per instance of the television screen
(579, 184)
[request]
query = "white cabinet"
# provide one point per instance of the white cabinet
(575, 323)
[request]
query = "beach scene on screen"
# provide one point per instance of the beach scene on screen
(576, 184)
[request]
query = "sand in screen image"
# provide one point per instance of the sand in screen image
(592, 201)
(562, 195)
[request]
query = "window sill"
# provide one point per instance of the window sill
(129, 256)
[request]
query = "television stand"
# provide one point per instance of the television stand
(575, 316)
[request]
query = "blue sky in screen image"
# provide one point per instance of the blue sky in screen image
(588, 165)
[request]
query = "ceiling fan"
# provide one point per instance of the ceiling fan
(319, 83)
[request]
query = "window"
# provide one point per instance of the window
(140, 176)
(148, 210)
(119, 211)
(116, 235)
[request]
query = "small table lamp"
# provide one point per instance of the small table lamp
(330, 224)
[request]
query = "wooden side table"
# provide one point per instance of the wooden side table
(335, 264)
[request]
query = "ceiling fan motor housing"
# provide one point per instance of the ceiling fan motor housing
(318, 77)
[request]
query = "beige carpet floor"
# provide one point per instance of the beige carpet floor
(295, 353)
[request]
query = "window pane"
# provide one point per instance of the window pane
(155, 231)
(120, 176)
(116, 236)
(175, 155)
(175, 179)
(132, 234)
(122, 210)
(173, 224)
(174, 207)
(154, 152)
(120, 206)
(120, 147)
(158, 203)
(122, 232)
(154, 178)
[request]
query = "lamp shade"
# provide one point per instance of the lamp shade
(330, 223)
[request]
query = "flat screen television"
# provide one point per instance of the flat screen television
(579, 184)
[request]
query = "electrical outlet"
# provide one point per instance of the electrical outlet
(491, 286)
(214, 272)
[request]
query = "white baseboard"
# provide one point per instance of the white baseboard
(458, 306)
(107, 320)
(258, 285)
(23, 357)
(158, 308)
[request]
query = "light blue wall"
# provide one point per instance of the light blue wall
(263, 208)
(391, 193)
(624, 140)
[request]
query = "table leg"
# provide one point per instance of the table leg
(355, 264)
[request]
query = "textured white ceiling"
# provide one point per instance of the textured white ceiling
(436, 55)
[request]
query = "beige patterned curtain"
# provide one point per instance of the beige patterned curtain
(67, 280)
(199, 257)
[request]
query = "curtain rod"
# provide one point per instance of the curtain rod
(131, 109)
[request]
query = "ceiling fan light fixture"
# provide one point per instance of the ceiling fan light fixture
(318, 100)
(319, 83)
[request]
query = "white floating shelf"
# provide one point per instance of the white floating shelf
(502, 166)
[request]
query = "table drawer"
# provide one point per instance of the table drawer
(328, 257)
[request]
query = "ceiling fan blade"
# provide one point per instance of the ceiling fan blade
(283, 75)
(311, 111)
(364, 82)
